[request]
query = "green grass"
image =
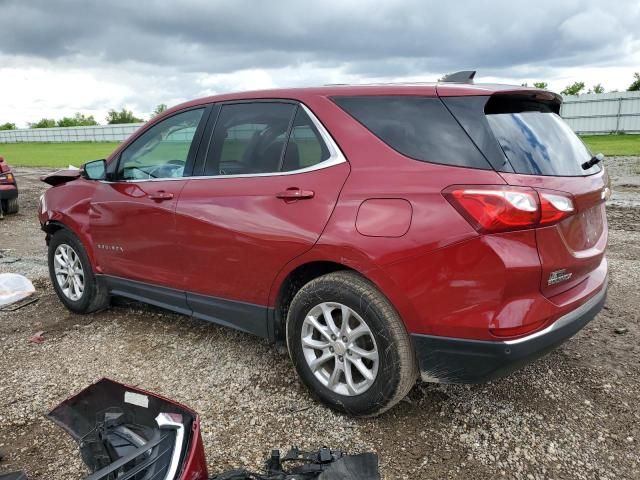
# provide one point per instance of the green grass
(54, 154)
(612, 145)
(62, 154)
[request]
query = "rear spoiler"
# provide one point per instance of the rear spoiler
(467, 76)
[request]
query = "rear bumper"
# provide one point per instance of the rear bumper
(454, 360)
(8, 192)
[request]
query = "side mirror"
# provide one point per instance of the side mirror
(95, 170)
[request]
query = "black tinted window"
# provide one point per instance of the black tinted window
(540, 143)
(249, 138)
(418, 127)
(305, 147)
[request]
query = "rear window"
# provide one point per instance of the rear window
(537, 141)
(418, 127)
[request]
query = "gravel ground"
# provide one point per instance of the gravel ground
(573, 414)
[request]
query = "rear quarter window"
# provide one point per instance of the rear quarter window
(418, 127)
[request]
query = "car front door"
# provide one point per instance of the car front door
(133, 212)
(270, 182)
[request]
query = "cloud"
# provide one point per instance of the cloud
(160, 50)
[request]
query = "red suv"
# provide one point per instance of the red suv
(451, 230)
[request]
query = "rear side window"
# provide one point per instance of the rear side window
(418, 127)
(249, 138)
(305, 147)
(264, 137)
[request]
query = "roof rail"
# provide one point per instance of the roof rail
(464, 76)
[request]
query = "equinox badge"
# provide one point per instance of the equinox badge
(558, 276)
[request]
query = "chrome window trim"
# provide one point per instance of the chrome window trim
(336, 157)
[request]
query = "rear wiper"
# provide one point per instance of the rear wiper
(597, 158)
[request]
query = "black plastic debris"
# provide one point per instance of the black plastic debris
(323, 464)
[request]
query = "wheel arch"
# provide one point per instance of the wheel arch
(53, 226)
(320, 261)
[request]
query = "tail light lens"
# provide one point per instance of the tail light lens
(7, 178)
(554, 207)
(501, 208)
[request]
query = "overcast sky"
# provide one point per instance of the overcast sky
(58, 57)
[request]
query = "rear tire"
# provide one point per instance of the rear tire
(374, 346)
(72, 277)
(10, 206)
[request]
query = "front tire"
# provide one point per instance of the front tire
(362, 366)
(72, 277)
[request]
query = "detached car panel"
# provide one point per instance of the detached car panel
(127, 433)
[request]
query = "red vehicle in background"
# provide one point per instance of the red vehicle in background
(8, 190)
(451, 231)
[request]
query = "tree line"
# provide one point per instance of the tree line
(114, 117)
(576, 88)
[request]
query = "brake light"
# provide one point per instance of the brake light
(6, 178)
(554, 207)
(501, 208)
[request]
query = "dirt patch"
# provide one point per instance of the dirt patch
(573, 414)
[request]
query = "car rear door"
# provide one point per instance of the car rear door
(537, 149)
(132, 217)
(270, 183)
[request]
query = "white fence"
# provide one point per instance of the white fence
(96, 133)
(603, 113)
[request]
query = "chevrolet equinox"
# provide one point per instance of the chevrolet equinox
(450, 231)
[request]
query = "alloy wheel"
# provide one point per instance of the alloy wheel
(69, 272)
(340, 348)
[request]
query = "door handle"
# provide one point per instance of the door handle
(160, 196)
(294, 193)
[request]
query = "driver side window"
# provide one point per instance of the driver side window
(161, 151)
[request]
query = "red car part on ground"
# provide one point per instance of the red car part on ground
(126, 433)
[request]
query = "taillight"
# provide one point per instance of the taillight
(554, 207)
(501, 208)
(7, 178)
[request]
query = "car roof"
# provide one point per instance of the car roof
(425, 89)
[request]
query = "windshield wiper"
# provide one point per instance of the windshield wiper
(597, 158)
